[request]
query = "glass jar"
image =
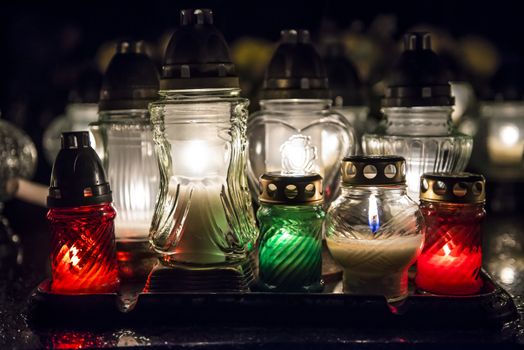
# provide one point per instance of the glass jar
(417, 109)
(203, 219)
(125, 138)
(373, 229)
(81, 218)
(453, 209)
(296, 132)
(290, 218)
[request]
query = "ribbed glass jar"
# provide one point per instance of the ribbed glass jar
(299, 136)
(128, 154)
(373, 229)
(203, 215)
(424, 136)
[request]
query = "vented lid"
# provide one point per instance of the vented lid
(197, 56)
(131, 80)
(419, 78)
(373, 170)
(78, 178)
(295, 70)
(453, 188)
(278, 188)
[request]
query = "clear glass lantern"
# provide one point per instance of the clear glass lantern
(126, 139)
(417, 109)
(296, 132)
(373, 229)
(203, 223)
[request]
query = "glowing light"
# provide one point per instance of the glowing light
(509, 134)
(373, 220)
(73, 253)
(196, 157)
(446, 249)
(298, 155)
(507, 275)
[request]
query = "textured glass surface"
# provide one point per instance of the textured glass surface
(83, 255)
(451, 260)
(77, 118)
(298, 137)
(203, 215)
(132, 169)
(290, 249)
(375, 234)
(425, 138)
(17, 156)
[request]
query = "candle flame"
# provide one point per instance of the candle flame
(446, 249)
(373, 220)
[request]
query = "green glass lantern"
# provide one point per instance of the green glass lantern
(291, 217)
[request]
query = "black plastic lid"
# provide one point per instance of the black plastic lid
(295, 70)
(419, 78)
(78, 178)
(131, 80)
(344, 82)
(197, 55)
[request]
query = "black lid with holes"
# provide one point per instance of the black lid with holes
(344, 82)
(462, 188)
(419, 77)
(373, 170)
(279, 188)
(296, 70)
(197, 56)
(78, 178)
(131, 80)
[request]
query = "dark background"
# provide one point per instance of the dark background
(44, 45)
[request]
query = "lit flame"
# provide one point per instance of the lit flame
(509, 134)
(373, 220)
(447, 249)
(73, 253)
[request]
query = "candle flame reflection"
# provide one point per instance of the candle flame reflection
(446, 249)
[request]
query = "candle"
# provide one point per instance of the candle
(373, 229)
(451, 260)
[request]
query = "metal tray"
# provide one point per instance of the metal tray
(491, 308)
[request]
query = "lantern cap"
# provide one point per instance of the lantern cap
(78, 178)
(290, 189)
(197, 56)
(419, 77)
(373, 170)
(344, 82)
(131, 80)
(296, 70)
(461, 188)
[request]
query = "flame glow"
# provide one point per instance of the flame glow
(373, 220)
(446, 249)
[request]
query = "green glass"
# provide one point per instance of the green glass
(290, 250)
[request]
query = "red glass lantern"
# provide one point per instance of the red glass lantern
(83, 255)
(453, 208)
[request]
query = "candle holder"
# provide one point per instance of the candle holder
(83, 256)
(203, 226)
(291, 218)
(373, 229)
(126, 145)
(296, 132)
(453, 209)
(417, 108)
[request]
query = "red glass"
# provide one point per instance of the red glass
(451, 259)
(83, 252)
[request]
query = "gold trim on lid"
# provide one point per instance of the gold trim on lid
(373, 170)
(278, 188)
(462, 188)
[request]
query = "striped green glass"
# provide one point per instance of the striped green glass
(290, 250)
